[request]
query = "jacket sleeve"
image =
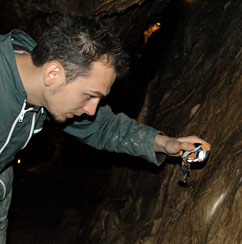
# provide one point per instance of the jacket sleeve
(116, 133)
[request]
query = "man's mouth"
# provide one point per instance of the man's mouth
(71, 115)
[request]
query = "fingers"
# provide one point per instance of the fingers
(176, 146)
(172, 146)
(192, 139)
(183, 144)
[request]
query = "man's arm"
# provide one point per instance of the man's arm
(119, 133)
(116, 133)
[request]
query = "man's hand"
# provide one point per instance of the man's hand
(172, 146)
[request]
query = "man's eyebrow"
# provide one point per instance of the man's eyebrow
(99, 94)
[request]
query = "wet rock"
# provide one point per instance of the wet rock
(203, 98)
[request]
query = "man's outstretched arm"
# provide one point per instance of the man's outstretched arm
(119, 133)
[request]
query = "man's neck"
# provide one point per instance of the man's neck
(31, 78)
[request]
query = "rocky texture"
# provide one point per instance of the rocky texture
(192, 67)
(196, 91)
(129, 17)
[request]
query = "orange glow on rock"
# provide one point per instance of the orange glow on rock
(151, 30)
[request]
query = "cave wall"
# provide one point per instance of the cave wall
(195, 88)
(128, 17)
(203, 73)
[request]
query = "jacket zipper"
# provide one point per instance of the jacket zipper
(20, 119)
(31, 130)
(23, 111)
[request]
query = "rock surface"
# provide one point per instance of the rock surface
(197, 91)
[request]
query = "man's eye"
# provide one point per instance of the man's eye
(89, 96)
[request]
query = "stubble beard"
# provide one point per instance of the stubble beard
(58, 119)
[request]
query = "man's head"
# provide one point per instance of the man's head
(76, 42)
(80, 59)
(66, 100)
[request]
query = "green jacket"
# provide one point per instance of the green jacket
(18, 122)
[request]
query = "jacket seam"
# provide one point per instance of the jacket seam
(4, 189)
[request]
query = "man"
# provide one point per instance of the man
(64, 76)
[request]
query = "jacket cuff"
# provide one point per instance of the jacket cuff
(157, 158)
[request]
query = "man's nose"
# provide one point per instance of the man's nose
(90, 108)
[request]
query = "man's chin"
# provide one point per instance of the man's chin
(58, 119)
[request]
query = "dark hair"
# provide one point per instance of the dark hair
(77, 42)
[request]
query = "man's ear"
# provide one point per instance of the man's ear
(53, 73)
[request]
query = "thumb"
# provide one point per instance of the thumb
(186, 146)
(175, 146)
